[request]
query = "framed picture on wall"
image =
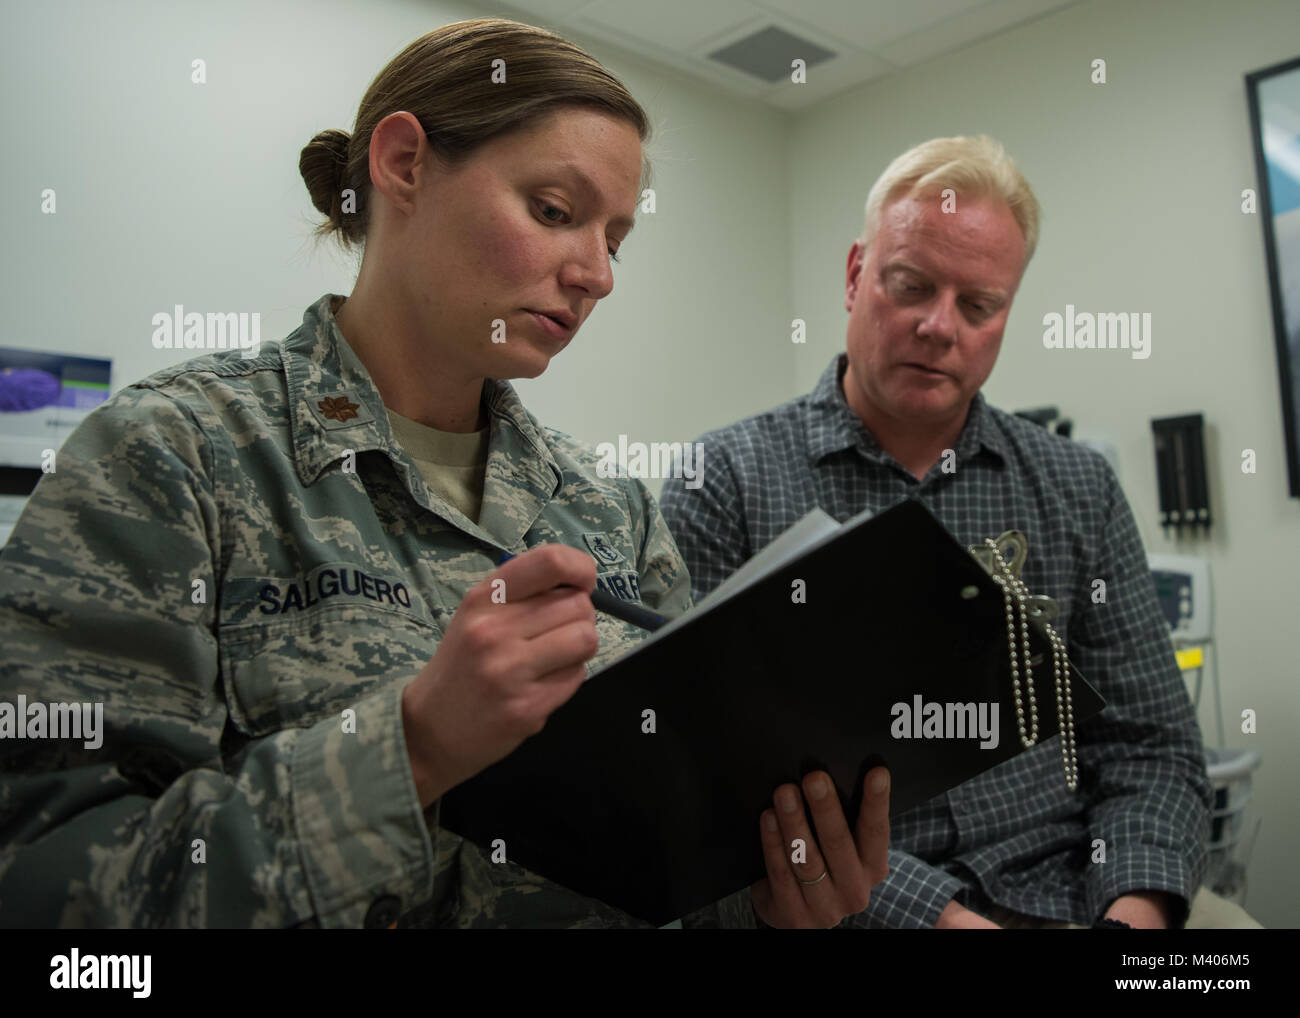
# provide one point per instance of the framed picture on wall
(1274, 97)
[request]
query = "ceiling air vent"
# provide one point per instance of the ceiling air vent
(767, 54)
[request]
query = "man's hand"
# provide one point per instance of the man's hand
(818, 893)
(1143, 910)
(958, 917)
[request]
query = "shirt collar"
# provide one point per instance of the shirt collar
(833, 425)
(334, 408)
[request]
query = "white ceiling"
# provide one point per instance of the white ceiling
(870, 38)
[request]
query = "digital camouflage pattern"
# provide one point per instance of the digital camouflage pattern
(323, 587)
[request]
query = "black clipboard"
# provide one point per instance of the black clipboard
(749, 694)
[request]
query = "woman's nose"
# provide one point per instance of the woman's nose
(588, 268)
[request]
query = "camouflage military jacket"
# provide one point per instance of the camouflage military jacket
(228, 555)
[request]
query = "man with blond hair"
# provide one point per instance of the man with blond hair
(950, 227)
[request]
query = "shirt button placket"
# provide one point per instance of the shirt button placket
(963, 815)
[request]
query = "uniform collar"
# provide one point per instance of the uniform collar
(335, 408)
(834, 426)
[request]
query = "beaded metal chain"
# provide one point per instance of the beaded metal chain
(1015, 596)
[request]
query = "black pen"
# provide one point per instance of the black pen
(611, 605)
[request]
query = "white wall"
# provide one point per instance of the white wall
(1140, 181)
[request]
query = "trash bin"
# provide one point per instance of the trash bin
(1230, 774)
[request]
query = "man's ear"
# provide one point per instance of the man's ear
(853, 274)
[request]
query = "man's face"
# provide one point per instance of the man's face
(526, 225)
(927, 308)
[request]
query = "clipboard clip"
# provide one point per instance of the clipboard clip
(1014, 549)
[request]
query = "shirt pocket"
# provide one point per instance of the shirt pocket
(297, 670)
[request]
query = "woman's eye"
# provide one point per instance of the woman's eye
(548, 208)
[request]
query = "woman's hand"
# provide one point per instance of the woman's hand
(515, 650)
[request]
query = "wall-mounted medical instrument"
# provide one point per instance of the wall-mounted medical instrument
(1181, 475)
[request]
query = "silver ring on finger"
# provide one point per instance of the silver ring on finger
(810, 883)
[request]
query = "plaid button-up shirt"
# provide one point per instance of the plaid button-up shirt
(1015, 835)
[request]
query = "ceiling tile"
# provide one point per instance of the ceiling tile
(968, 28)
(547, 12)
(870, 38)
(673, 24)
(870, 25)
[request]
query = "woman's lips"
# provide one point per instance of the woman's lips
(550, 326)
